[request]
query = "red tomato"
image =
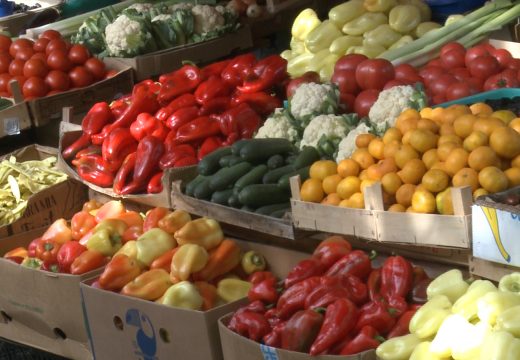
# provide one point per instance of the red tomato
(16, 67)
(58, 60)
(24, 53)
(452, 46)
(110, 73)
(5, 61)
(58, 80)
(18, 44)
(503, 57)
(505, 79)
(393, 83)
(78, 54)
(435, 62)
(56, 44)
(490, 48)
(346, 81)
(476, 84)
(80, 77)
(97, 68)
(4, 80)
(40, 45)
(460, 73)
(40, 56)
(438, 99)
(458, 90)
(347, 102)
(440, 85)
(35, 67)
(407, 73)
(430, 73)
(364, 101)
(374, 73)
(483, 67)
(35, 87)
(5, 43)
(514, 64)
(4, 94)
(349, 62)
(474, 53)
(50, 34)
(453, 59)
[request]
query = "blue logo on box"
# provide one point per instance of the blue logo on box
(145, 340)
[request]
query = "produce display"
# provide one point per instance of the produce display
(20, 180)
(188, 114)
(21, 7)
(511, 104)
(333, 303)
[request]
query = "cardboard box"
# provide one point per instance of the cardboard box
(15, 119)
(153, 331)
(43, 208)
(164, 61)
(39, 308)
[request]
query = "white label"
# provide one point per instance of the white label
(268, 352)
(11, 126)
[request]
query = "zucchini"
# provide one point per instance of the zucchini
(273, 176)
(226, 177)
(203, 191)
(257, 195)
(275, 161)
(259, 150)
(210, 163)
(190, 187)
(285, 183)
(280, 213)
(226, 160)
(253, 177)
(221, 197)
(234, 202)
(289, 160)
(269, 209)
(235, 160)
(306, 157)
(237, 146)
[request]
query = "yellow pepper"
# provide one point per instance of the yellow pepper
(509, 320)
(287, 55)
(510, 283)
(204, 232)
(150, 285)
(494, 303)
(129, 249)
(368, 51)
(298, 65)
(343, 43)
(297, 46)
(326, 72)
(317, 60)
(466, 305)
(379, 5)
(398, 348)
(404, 18)
(184, 295)
(364, 23)
(425, 27)
(252, 262)
(348, 11)
(500, 345)
(188, 259)
(428, 319)
(422, 352)
(450, 284)
(231, 290)
(174, 221)
(107, 236)
(305, 22)
(382, 35)
(153, 244)
(321, 37)
(401, 42)
(424, 9)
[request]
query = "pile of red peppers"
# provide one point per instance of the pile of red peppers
(175, 122)
(333, 303)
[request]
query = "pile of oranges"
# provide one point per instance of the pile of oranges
(419, 160)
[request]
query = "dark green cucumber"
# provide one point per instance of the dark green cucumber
(253, 177)
(257, 195)
(210, 163)
(306, 157)
(221, 197)
(259, 150)
(280, 213)
(234, 202)
(235, 160)
(226, 160)
(273, 176)
(289, 160)
(190, 187)
(226, 177)
(275, 161)
(269, 209)
(247, 208)
(237, 146)
(285, 183)
(203, 191)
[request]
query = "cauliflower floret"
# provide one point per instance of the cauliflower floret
(180, 6)
(332, 126)
(278, 126)
(207, 18)
(141, 7)
(389, 104)
(348, 144)
(162, 17)
(312, 98)
(125, 36)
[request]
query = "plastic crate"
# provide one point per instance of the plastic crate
(481, 97)
(441, 9)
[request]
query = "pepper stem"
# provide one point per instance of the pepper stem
(320, 310)
(373, 254)
(379, 338)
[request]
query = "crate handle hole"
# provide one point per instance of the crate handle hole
(6, 317)
(118, 323)
(164, 335)
(60, 333)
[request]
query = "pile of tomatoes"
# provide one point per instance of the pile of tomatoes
(47, 66)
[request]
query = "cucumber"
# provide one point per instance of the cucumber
(237, 146)
(247, 208)
(203, 191)
(190, 187)
(210, 163)
(234, 202)
(306, 157)
(280, 213)
(257, 195)
(285, 183)
(259, 150)
(289, 160)
(221, 197)
(235, 160)
(225, 160)
(269, 209)
(275, 161)
(273, 176)
(226, 177)
(253, 177)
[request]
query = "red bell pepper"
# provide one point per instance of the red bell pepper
(374, 285)
(96, 162)
(95, 176)
(186, 161)
(397, 305)
(272, 316)
(82, 142)
(301, 330)
(402, 326)
(396, 277)
(149, 152)
(185, 100)
(87, 261)
(211, 88)
(331, 250)
(124, 173)
(132, 233)
(90, 150)
(146, 125)
(261, 102)
(269, 71)
(155, 185)
(340, 319)
(214, 69)
(377, 315)
(50, 266)
(266, 291)
(259, 276)
(333, 288)
(181, 117)
(293, 299)
(303, 270)
(175, 154)
(16, 259)
(418, 294)
(179, 82)
(252, 325)
(200, 128)
(118, 107)
(238, 69)
(118, 145)
(215, 106)
(208, 146)
(31, 248)
(355, 263)
(47, 250)
(82, 222)
(119, 272)
(241, 120)
(366, 339)
(164, 261)
(274, 338)
(153, 217)
(68, 253)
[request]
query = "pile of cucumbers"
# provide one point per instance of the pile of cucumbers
(252, 175)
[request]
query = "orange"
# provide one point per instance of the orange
(376, 148)
(435, 180)
(463, 125)
(515, 125)
(444, 203)
(505, 115)
(423, 140)
(412, 172)
(474, 140)
(404, 194)
(344, 203)
(481, 109)
(430, 157)
(406, 137)
(391, 182)
(438, 165)
(479, 192)
(391, 148)
(426, 113)
(362, 140)
(331, 199)
(506, 142)
(423, 202)
(437, 115)
(428, 124)
(407, 120)
(449, 138)
(504, 164)
(363, 158)
(456, 160)
(487, 125)
(366, 183)
(409, 209)
(446, 129)
(330, 183)
(453, 112)
(397, 208)
(377, 171)
(312, 191)
(513, 175)
(444, 150)
(322, 168)
(466, 177)
(348, 167)
(482, 157)
(516, 162)
(363, 175)
(357, 201)
(404, 154)
(392, 134)
(348, 186)
(493, 179)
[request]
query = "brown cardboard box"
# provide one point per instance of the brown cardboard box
(39, 308)
(143, 329)
(15, 119)
(43, 208)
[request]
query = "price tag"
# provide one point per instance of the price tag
(12, 126)
(268, 352)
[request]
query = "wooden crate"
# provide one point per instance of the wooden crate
(488, 269)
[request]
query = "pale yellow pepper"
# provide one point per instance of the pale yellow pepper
(428, 319)
(188, 259)
(404, 18)
(364, 23)
(494, 303)
(422, 352)
(466, 305)
(401, 42)
(450, 283)
(231, 289)
(509, 320)
(343, 43)
(347, 11)
(322, 36)
(305, 22)
(383, 35)
(184, 295)
(500, 345)
(204, 232)
(298, 65)
(398, 348)
(379, 5)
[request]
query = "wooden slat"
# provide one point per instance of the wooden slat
(488, 269)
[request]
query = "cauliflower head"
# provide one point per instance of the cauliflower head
(311, 99)
(389, 105)
(162, 17)
(126, 37)
(278, 125)
(328, 126)
(141, 7)
(348, 144)
(207, 18)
